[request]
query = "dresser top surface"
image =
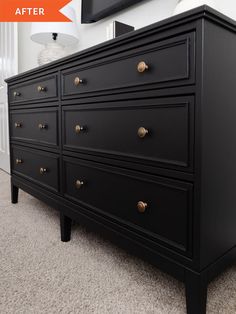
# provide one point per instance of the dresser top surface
(201, 12)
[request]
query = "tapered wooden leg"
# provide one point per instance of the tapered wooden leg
(65, 223)
(14, 194)
(196, 292)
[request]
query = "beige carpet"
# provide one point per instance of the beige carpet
(40, 274)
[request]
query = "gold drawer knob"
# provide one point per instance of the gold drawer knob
(43, 170)
(142, 67)
(18, 125)
(78, 81)
(79, 184)
(19, 161)
(41, 89)
(42, 126)
(15, 94)
(79, 128)
(142, 206)
(142, 132)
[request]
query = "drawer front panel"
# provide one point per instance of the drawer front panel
(36, 126)
(42, 168)
(168, 62)
(120, 131)
(40, 89)
(158, 208)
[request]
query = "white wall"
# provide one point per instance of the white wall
(139, 15)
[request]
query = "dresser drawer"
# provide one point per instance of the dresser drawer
(37, 166)
(39, 126)
(158, 208)
(156, 131)
(43, 88)
(169, 62)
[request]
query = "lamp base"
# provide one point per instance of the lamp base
(52, 52)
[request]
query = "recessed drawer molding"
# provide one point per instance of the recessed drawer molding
(34, 90)
(159, 131)
(37, 126)
(168, 62)
(161, 209)
(39, 167)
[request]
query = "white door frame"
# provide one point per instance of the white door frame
(8, 67)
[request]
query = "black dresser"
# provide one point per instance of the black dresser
(135, 138)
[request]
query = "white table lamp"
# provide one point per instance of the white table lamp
(55, 36)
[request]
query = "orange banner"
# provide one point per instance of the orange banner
(32, 11)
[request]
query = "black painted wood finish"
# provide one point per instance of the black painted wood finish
(39, 126)
(38, 89)
(169, 122)
(168, 202)
(169, 61)
(37, 166)
(65, 224)
(168, 195)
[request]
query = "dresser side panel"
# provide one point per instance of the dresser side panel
(218, 150)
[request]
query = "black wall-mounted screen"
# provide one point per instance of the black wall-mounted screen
(95, 10)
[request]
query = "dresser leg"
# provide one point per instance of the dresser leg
(65, 223)
(14, 194)
(196, 293)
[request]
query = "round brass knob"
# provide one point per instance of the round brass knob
(41, 89)
(142, 206)
(79, 128)
(142, 67)
(15, 94)
(79, 184)
(19, 161)
(78, 81)
(18, 125)
(142, 132)
(42, 126)
(43, 170)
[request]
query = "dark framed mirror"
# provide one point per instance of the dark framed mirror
(95, 10)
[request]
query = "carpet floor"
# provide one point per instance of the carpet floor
(40, 274)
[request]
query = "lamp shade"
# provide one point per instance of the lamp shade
(67, 31)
